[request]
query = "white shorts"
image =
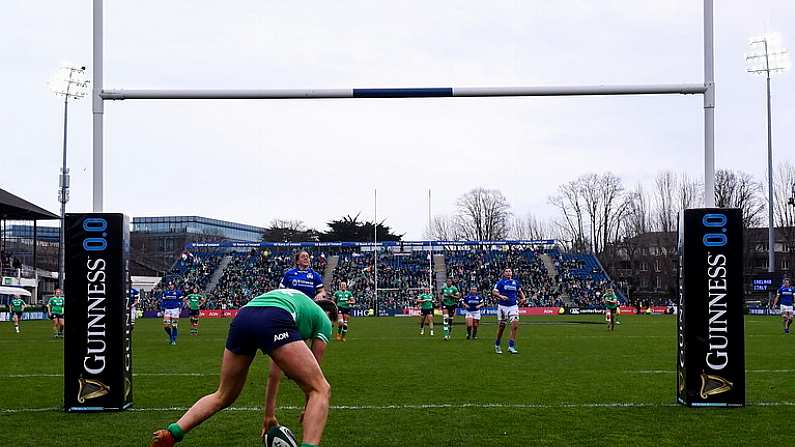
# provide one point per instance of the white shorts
(507, 313)
(473, 314)
(171, 313)
(786, 309)
(133, 314)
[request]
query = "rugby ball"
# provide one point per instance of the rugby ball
(280, 436)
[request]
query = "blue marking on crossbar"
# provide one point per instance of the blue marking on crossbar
(402, 92)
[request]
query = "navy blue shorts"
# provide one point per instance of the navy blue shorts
(427, 312)
(194, 313)
(263, 328)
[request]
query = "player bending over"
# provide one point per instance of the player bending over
(55, 312)
(611, 308)
(425, 301)
(506, 291)
(171, 304)
(195, 301)
(277, 323)
(344, 299)
(473, 303)
(17, 306)
(450, 297)
(785, 295)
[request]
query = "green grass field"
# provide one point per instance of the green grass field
(571, 384)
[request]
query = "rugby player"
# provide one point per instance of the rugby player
(785, 296)
(55, 312)
(135, 298)
(506, 292)
(278, 323)
(450, 297)
(17, 306)
(303, 278)
(473, 303)
(171, 304)
(194, 302)
(343, 298)
(425, 301)
(611, 308)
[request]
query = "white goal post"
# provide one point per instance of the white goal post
(100, 95)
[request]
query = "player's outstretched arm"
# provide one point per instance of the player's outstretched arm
(271, 391)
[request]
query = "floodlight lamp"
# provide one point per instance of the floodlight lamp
(69, 81)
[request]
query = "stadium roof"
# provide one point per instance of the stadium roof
(16, 208)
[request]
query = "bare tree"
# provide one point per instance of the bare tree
(783, 209)
(689, 192)
(614, 205)
(483, 214)
(783, 191)
(571, 206)
(740, 190)
(443, 228)
(589, 186)
(530, 227)
(664, 213)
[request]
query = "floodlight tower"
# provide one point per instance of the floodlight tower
(69, 82)
(767, 56)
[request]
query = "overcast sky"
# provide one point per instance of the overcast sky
(252, 161)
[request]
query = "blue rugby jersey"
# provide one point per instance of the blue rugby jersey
(785, 295)
(307, 281)
(508, 288)
(172, 299)
(472, 302)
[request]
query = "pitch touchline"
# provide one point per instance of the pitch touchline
(426, 406)
(23, 376)
(754, 371)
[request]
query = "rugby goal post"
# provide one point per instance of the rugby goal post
(99, 95)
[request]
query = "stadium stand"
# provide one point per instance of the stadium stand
(549, 277)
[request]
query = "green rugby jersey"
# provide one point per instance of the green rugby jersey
(56, 304)
(611, 300)
(450, 295)
(343, 298)
(195, 301)
(310, 320)
(427, 301)
(17, 304)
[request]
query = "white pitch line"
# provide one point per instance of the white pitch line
(752, 371)
(23, 376)
(427, 406)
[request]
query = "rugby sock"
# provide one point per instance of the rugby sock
(344, 330)
(511, 343)
(306, 444)
(168, 331)
(422, 324)
(498, 342)
(339, 329)
(475, 331)
(446, 327)
(469, 331)
(174, 333)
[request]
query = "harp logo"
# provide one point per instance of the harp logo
(91, 389)
(712, 385)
